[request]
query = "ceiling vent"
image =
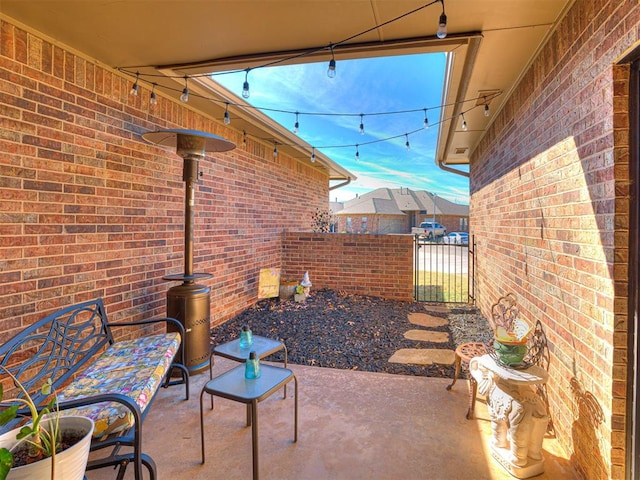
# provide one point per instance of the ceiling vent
(461, 150)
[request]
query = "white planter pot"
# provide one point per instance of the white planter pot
(70, 464)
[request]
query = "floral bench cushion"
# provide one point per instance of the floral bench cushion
(133, 368)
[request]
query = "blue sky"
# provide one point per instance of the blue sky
(373, 85)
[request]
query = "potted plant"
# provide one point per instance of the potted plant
(51, 445)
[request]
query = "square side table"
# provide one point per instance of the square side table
(233, 385)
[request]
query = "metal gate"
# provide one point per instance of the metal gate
(443, 272)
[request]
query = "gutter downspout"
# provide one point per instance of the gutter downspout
(343, 184)
(467, 70)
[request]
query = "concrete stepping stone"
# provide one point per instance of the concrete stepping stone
(427, 336)
(437, 308)
(423, 356)
(426, 320)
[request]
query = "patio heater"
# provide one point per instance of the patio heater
(190, 302)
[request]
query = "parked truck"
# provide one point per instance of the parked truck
(429, 230)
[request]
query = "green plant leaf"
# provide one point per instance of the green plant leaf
(6, 461)
(8, 414)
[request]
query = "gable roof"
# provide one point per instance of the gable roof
(399, 201)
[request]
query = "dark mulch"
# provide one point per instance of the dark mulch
(342, 331)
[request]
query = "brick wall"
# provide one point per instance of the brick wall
(88, 209)
(549, 208)
(377, 265)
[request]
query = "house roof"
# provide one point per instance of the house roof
(399, 201)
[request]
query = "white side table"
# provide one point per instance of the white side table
(518, 414)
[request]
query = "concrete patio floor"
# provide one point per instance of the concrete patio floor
(352, 425)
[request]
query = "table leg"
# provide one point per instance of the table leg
(202, 424)
(249, 408)
(285, 366)
(254, 437)
(458, 362)
(295, 419)
(211, 374)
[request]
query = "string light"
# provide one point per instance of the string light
(426, 120)
(153, 100)
(361, 124)
(313, 154)
(245, 85)
(275, 149)
(184, 98)
(227, 117)
(442, 24)
(357, 154)
(464, 123)
(296, 125)
(331, 71)
(406, 144)
(134, 87)
(486, 110)
(244, 138)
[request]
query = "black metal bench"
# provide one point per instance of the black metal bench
(74, 347)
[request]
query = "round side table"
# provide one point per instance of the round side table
(464, 353)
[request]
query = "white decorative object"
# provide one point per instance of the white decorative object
(306, 283)
(70, 464)
(518, 414)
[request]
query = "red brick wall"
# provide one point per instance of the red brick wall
(88, 209)
(377, 265)
(549, 206)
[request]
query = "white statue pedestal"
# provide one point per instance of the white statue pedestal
(518, 414)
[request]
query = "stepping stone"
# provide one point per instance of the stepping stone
(427, 336)
(426, 320)
(423, 356)
(437, 308)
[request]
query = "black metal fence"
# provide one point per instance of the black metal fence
(443, 272)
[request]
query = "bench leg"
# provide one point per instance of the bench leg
(458, 362)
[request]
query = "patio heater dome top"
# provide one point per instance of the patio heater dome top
(169, 138)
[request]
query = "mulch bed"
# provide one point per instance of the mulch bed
(338, 330)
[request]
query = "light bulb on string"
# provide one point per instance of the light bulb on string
(227, 117)
(184, 98)
(357, 153)
(442, 24)
(464, 123)
(331, 71)
(426, 120)
(244, 138)
(361, 124)
(275, 150)
(296, 126)
(134, 87)
(245, 85)
(313, 154)
(153, 99)
(406, 144)
(486, 110)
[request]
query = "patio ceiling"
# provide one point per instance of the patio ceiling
(491, 43)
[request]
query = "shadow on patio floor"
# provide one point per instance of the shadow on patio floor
(353, 425)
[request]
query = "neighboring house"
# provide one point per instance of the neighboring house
(397, 210)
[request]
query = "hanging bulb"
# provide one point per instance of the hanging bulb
(227, 117)
(406, 144)
(244, 138)
(313, 154)
(153, 100)
(357, 154)
(275, 150)
(245, 85)
(464, 123)
(361, 124)
(426, 120)
(486, 110)
(184, 98)
(134, 87)
(331, 71)
(442, 27)
(296, 126)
